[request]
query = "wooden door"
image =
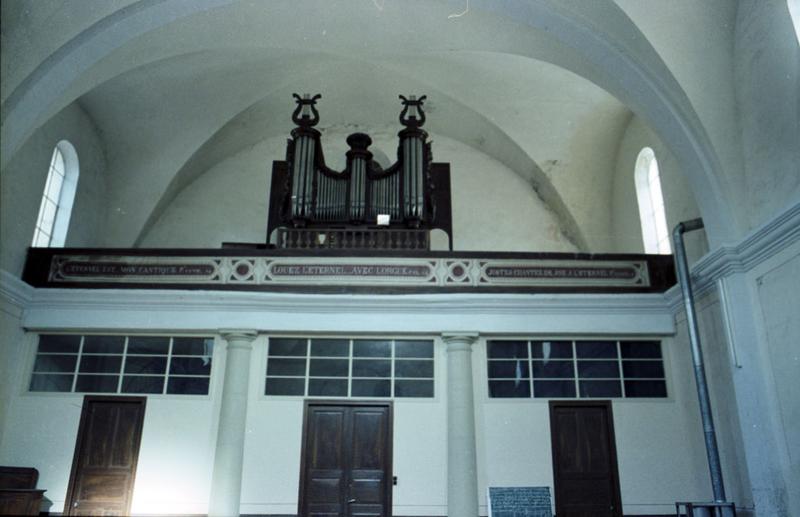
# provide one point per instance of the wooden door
(106, 452)
(346, 460)
(584, 459)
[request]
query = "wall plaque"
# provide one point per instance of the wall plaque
(519, 501)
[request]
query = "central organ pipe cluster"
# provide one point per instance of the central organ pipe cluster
(361, 192)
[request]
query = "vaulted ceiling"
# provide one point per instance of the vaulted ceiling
(175, 87)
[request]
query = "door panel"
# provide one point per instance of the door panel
(106, 452)
(584, 460)
(326, 466)
(347, 460)
(367, 469)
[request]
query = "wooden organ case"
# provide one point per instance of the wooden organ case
(364, 206)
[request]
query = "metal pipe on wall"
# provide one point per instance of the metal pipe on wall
(682, 269)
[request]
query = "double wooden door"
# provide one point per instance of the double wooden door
(106, 453)
(347, 460)
(584, 459)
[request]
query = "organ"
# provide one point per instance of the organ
(363, 206)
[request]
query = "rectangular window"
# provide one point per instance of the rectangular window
(380, 368)
(122, 364)
(575, 369)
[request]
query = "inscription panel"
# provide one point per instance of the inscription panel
(133, 269)
(395, 271)
(565, 273)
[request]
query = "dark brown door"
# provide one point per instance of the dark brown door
(584, 459)
(347, 460)
(104, 465)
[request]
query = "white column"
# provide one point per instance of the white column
(462, 470)
(226, 480)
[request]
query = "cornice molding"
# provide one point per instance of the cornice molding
(210, 311)
(758, 246)
(240, 302)
(15, 295)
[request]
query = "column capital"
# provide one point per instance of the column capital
(467, 338)
(459, 341)
(242, 337)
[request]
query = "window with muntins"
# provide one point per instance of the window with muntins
(379, 368)
(575, 369)
(55, 208)
(169, 365)
(655, 234)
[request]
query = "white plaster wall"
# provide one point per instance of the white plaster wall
(655, 440)
(513, 442)
(176, 452)
(749, 402)
(170, 141)
(175, 458)
(779, 297)
(585, 178)
(40, 432)
(228, 203)
(180, 432)
(273, 444)
(173, 475)
(735, 62)
(695, 40)
(22, 184)
(30, 438)
(494, 209)
(679, 201)
(659, 442)
(420, 459)
(720, 369)
(12, 339)
(273, 447)
(26, 45)
(767, 80)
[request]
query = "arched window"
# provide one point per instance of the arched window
(59, 193)
(651, 204)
